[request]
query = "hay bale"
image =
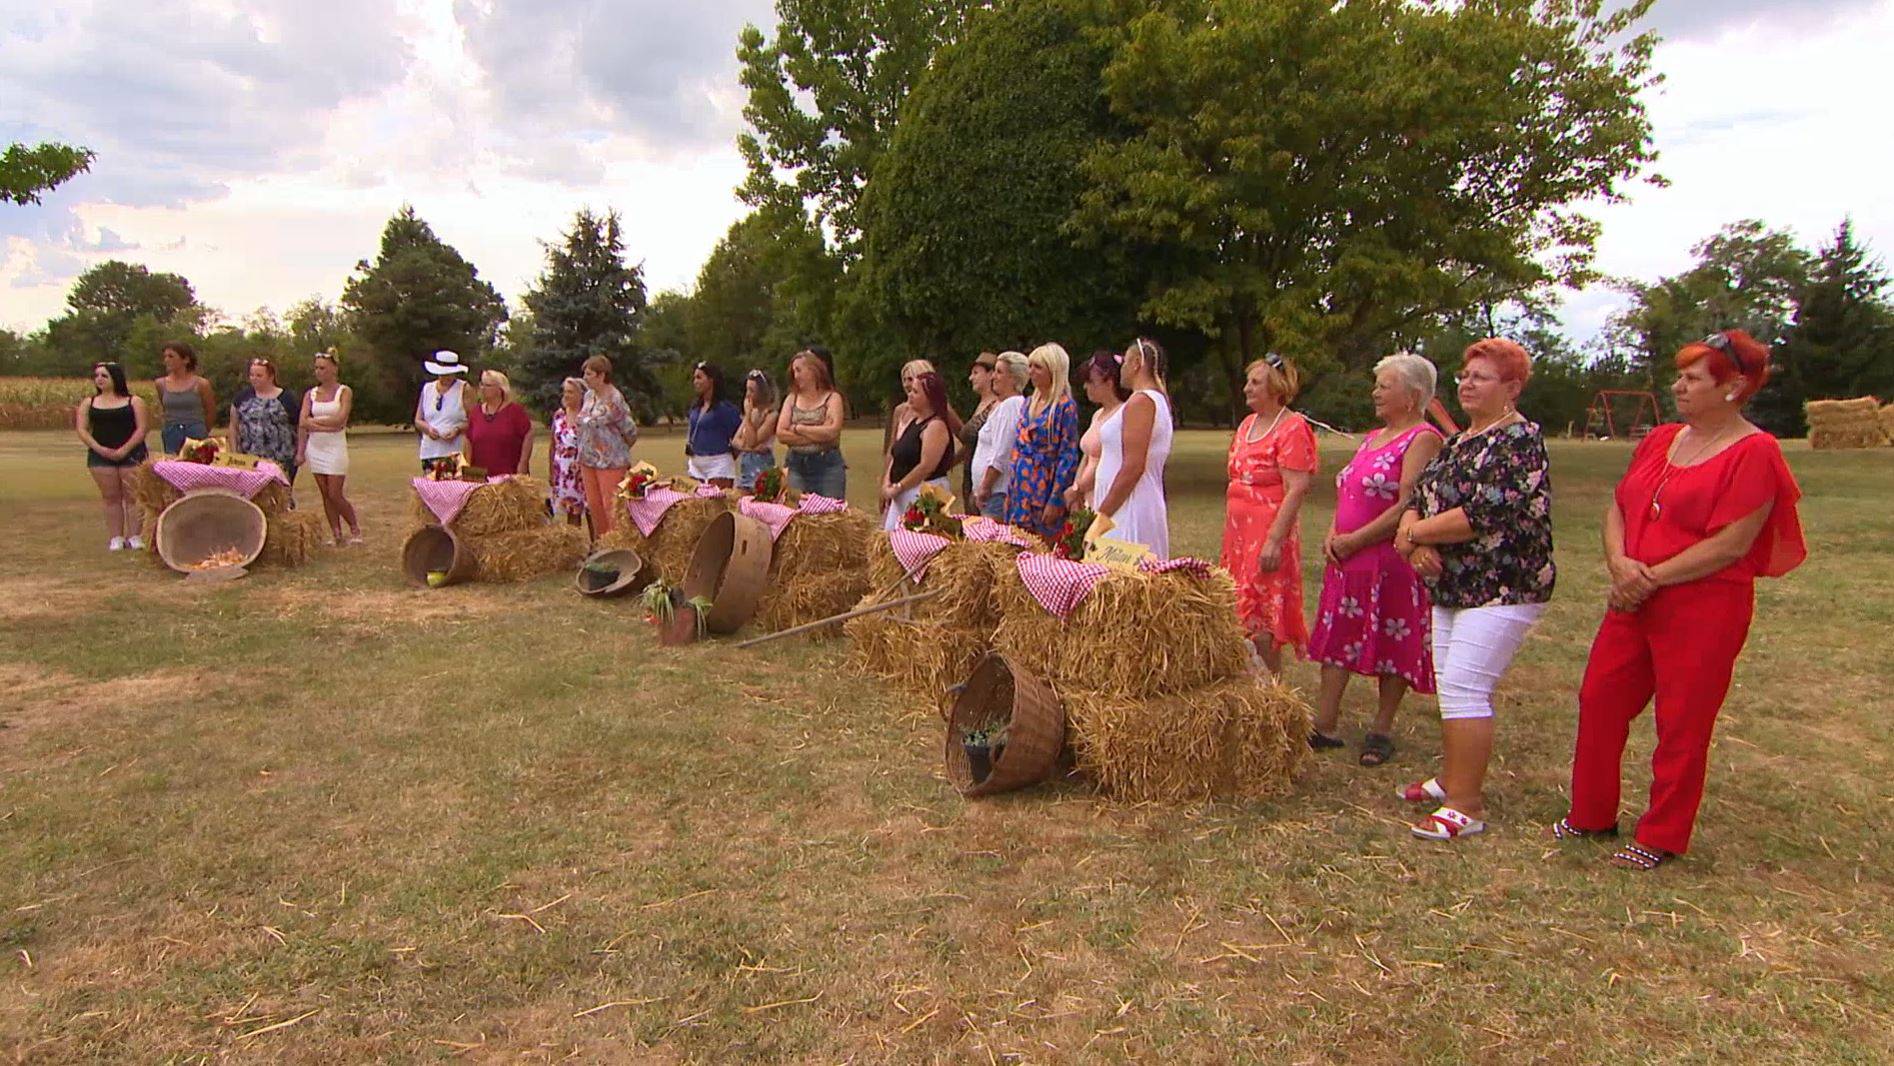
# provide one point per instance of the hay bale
(291, 537)
(1240, 738)
(1824, 409)
(670, 545)
(1136, 634)
(1887, 422)
(819, 569)
(524, 554)
(1856, 423)
(967, 574)
(919, 659)
(153, 494)
(506, 506)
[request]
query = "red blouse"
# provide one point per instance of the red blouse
(1698, 501)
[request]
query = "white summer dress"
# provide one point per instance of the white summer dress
(1143, 519)
(328, 449)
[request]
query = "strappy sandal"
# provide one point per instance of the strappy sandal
(1640, 858)
(1376, 748)
(1447, 824)
(1428, 791)
(1565, 830)
(1323, 742)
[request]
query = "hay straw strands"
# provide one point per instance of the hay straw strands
(153, 494)
(521, 555)
(1136, 634)
(919, 659)
(1857, 423)
(670, 545)
(290, 538)
(507, 506)
(818, 569)
(966, 573)
(1240, 738)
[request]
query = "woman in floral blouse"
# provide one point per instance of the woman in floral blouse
(568, 488)
(606, 434)
(1479, 531)
(1046, 452)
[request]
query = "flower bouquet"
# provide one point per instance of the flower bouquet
(772, 486)
(445, 468)
(206, 451)
(1069, 543)
(638, 481)
(928, 514)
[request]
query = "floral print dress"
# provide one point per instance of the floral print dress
(568, 491)
(1374, 616)
(1269, 604)
(1045, 460)
(1500, 478)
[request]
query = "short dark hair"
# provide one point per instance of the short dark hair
(185, 352)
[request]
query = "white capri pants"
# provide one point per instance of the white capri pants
(1473, 646)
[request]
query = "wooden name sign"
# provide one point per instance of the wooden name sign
(1117, 554)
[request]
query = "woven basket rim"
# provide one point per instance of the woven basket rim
(1035, 728)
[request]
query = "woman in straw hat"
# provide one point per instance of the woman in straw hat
(1134, 445)
(1479, 531)
(1046, 448)
(1373, 618)
(1272, 460)
(606, 434)
(1707, 506)
(499, 434)
(919, 457)
(441, 413)
(323, 443)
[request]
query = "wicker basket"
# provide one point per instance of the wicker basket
(730, 568)
(206, 522)
(994, 695)
(432, 549)
(633, 574)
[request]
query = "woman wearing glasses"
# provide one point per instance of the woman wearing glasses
(1707, 506)
(714, 422)
(1479, 532)
(756, 437)
(264, 417)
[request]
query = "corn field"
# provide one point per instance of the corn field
(48, 403)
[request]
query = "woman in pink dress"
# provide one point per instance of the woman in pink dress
(1373, 617)
(1271, 462)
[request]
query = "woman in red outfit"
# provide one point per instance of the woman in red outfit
(1707, 507)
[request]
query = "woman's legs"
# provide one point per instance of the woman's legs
(1472, 649)
(112, 497)
(1328, 702)
(1270, 651)
(339, 486)
(600, 484)
(330, 509)
(1393, 690)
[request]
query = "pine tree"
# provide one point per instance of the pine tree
(588, 302)
(1840, 343)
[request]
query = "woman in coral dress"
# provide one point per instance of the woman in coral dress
(1271, 460)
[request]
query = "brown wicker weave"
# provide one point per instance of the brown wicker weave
(205, 522)
(730, 568)
(633, 574)
(433, 548)
(997, 694)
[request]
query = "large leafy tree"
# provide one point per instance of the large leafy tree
(418, 296)
(1840, 343)
(26, 172)
(1746, 276)
(1314, 177)
(759, 297)
(106, 307)
(588, 302)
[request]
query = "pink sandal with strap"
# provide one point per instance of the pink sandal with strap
(1447, 824)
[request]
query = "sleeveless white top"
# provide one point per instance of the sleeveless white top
(1143, 519)
(444, 414)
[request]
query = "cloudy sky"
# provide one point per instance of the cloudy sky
(257, 146)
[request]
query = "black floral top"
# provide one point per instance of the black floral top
(1500, 478)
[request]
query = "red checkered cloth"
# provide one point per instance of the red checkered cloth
(915, 551)
(813, 504)
(649, 511)
(706, 489)
(980, 527)
(1194, 567)
(1060, 585)
(189, 477)
(774, 515)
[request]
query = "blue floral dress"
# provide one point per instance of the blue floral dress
(1045, 460)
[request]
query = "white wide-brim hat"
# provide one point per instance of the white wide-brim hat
(445, 362)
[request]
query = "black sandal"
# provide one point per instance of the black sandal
(1376, 748)
(1565, 830)
(1321, 741)
(1639, 858)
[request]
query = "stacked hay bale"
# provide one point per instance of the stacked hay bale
(290, 537)
(818, 569)
(505, 526)
(925, 649)
(1154, 675)
(1846, 423)
(1887, 422)
(672, 541)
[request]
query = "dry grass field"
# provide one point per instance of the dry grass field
(316, 816)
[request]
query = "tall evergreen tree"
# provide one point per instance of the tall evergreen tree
(588, 302)
(1841, 342)
(420, 295)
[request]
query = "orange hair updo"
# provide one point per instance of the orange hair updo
(1739, 355)
(1507, 357)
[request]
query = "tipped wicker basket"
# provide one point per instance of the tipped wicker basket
(433, 549)
(730, 568)
(996, 694)
(205, 522)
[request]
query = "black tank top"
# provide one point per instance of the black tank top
(906, 453)
(112, 426)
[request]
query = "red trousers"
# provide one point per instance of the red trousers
(1681, 647)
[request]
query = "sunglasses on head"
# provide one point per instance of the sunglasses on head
(1719, 342)
(1273, 360)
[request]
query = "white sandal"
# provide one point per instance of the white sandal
(1447, 824)
(1428, 791)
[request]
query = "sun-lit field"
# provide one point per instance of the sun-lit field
(316, 816)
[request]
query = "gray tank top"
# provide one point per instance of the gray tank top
(182, 406)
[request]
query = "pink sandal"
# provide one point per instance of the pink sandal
(1428, 791)
(1447, 824)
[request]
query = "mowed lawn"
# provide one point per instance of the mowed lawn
(315, 816)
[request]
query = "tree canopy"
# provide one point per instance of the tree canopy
(587, 302)
(419, 296)
(26, 172)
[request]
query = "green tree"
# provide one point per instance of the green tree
(1840, 343)
(767, 290)
(666, 338)
(419, 296)
(1312, 177)
(26, 172)
(963, 239)
(1746, 276)
(105, 308)
(588, 301)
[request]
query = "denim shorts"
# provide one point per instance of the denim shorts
(174, 434)
(823, 473)
(750, 464)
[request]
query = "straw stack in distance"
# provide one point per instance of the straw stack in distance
(924, 650)
(1846, 423)
(669, 547)
(818, 569)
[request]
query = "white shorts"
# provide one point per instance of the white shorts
(1473, 646)
(708, 467)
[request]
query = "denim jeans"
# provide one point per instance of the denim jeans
(750, 464)
(174, 435)
(823, 473)
(995, 507)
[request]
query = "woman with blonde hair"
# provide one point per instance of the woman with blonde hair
(322, 443)
(810, 425)
(1134, 445)
(903, 412)
(1272, 461)
(992, 463)
(1046, 448)
(606, 434)
(499, 434)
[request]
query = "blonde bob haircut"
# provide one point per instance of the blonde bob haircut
(1414, 372)
(1014, 365)
(1057, 363)
(1280, 376)
(498, 381)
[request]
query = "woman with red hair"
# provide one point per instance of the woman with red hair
(1707, 506)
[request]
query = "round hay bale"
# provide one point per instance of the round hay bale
(206, 523)
(730, 568)
(629, 573)
(433, 549)
(1240, 738)
(998, 696)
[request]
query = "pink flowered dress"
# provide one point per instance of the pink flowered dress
(568, 491)
(1268, 604)
(1374, 615)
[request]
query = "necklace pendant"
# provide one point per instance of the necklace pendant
(1656, 509)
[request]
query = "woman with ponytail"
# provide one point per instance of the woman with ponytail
(1135, 443)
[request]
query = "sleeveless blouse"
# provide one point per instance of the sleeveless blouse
(1143, 518)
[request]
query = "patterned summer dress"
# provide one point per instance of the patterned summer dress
(1268, 604)
(265, 428)
(568, 491)
(1045, 460)
(1374, 615)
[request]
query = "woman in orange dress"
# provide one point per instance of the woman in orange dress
(1272, 461)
